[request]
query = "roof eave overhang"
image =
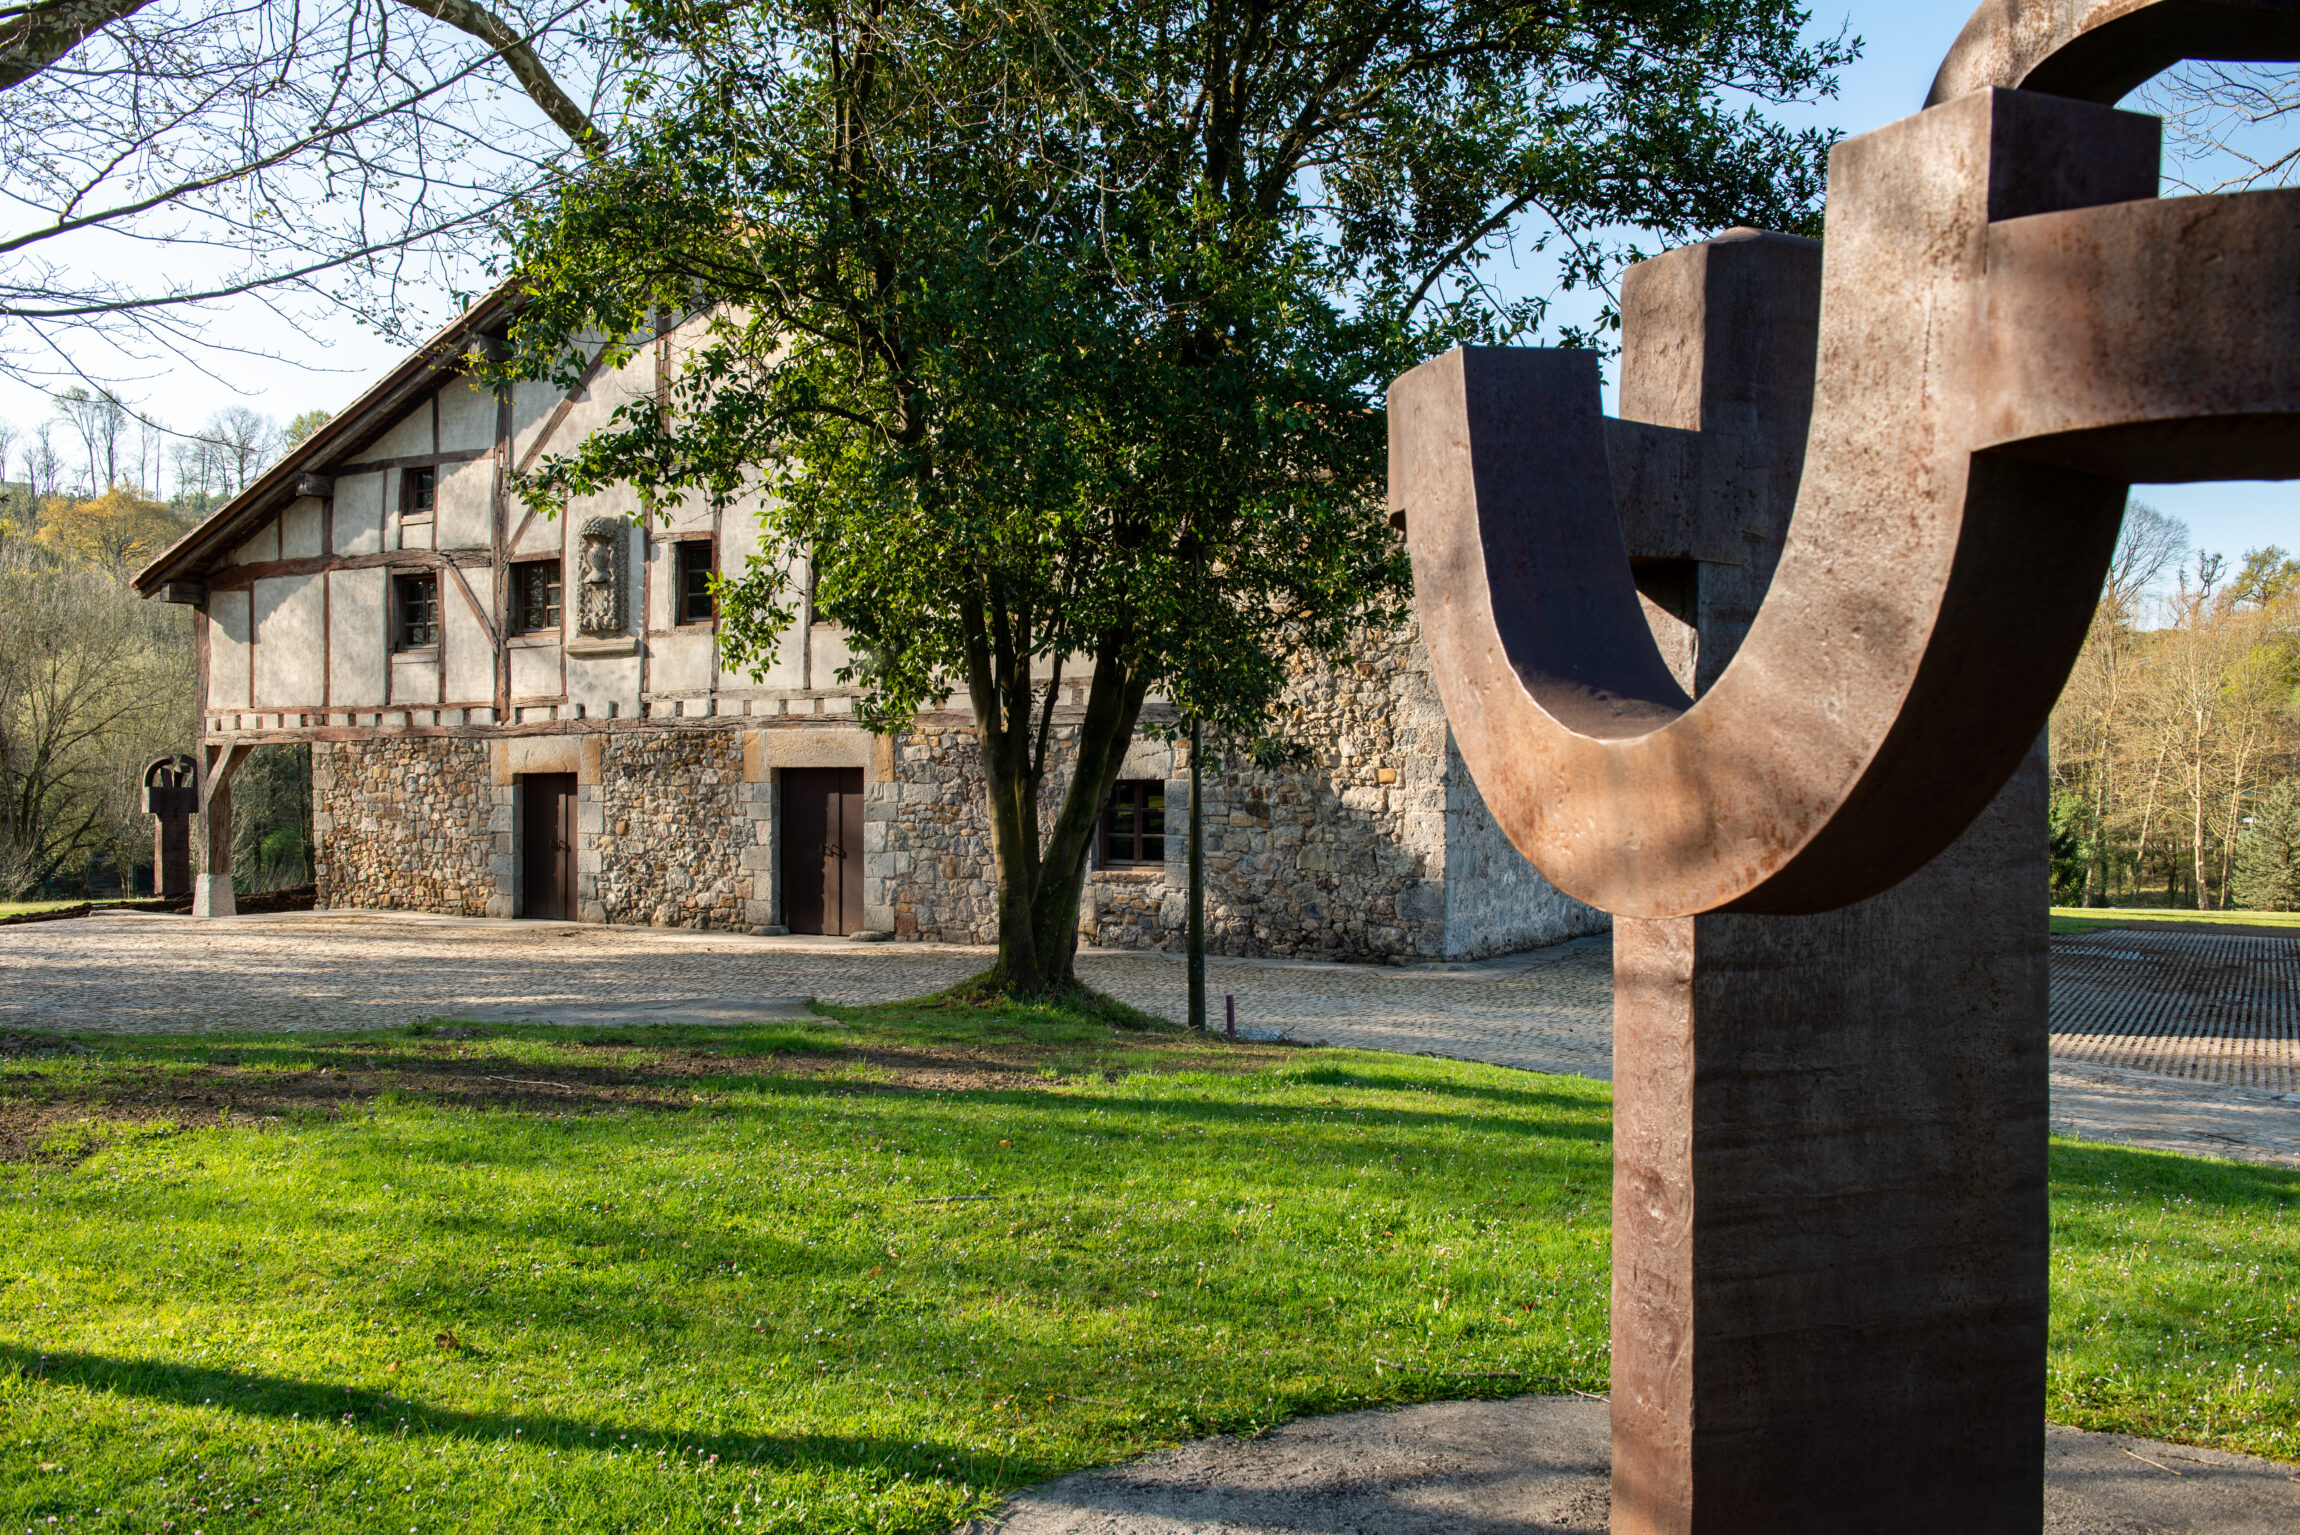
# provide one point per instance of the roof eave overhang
(365, 418)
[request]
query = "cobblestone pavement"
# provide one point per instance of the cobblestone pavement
(2172, 1041)
(2200, 1007)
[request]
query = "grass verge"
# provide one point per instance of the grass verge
(864, 1274)
(2089, 919)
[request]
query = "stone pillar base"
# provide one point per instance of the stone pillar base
(212, 896)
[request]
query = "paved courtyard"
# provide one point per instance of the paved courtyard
(2175, 1041)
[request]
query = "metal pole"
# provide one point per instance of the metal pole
(1197, 937)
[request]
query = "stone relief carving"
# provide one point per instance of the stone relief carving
(603, 577)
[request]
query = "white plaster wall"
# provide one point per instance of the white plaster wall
(413, 535)
(827, 651)
(532, 402)
(414, 679)
(682, 659)
(592, 406)
(535, 671)
(470, 654)
(604, 686)
(227, 619)
(738, 540)
(542, 536)
(356, 638)
(300, 529)
(466, 417)
(691, 513)
(464, 496)
(290, 643)
(262, 547)
(359, 514)
(656, 583)
(409, 438)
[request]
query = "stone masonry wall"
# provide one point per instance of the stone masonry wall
(1496, 902)
(403, 825)
(668, 826)
(928, 872)
(1375, 846)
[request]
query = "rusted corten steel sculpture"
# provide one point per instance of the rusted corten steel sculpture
(1830, 1033)
(171, 798)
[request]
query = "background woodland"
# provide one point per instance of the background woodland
(95, 681)
(2175, 744)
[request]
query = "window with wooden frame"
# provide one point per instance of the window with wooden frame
(414, 612)
(535, 597)
(1134, 825)
(418, 491)
(692, 562)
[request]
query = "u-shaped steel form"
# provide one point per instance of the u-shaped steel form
(2014, 328)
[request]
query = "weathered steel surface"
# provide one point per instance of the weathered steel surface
(1830, 1017)
(171, 797)
(1829, 1233)
(2097, 50)
(1975, 418)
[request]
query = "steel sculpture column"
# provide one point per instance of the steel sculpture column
(171, 797)
(1829, 1204)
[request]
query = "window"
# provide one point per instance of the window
(1134, 825)
(415, 611)
(418, 488)
(691, 582)
(535, 597)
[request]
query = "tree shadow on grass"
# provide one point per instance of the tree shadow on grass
(2125, 1172)
(383, 1414)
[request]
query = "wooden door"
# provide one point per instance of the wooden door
(547, 845)
(822, 850)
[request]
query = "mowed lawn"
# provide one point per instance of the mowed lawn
(2088, 919)
(865, 1275)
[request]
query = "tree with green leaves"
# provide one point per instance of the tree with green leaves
(1054, 339)
(2268, 853)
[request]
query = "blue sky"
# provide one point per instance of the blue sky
(1905, 41)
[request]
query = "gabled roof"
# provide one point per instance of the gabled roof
(360, 423)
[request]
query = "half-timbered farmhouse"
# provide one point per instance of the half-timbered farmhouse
(521, 716)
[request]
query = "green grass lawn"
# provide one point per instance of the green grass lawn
(21, 908)
(866, 1277)
(2085, 919)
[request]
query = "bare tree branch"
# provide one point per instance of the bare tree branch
(36, 36)
(512, 48)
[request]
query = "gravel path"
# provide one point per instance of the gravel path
(2171, 1041)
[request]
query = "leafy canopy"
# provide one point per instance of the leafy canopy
(1080, 316)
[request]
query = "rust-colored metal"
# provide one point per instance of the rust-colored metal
(2012, 327)
(1800, 759)
(171, 797)
(2098, 50)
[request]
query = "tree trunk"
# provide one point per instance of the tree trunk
(2196, 839)
(1039, 881)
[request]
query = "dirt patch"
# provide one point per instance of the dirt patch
(36, 1109)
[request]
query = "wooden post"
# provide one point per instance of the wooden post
(212, 891)
(1196, 940)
